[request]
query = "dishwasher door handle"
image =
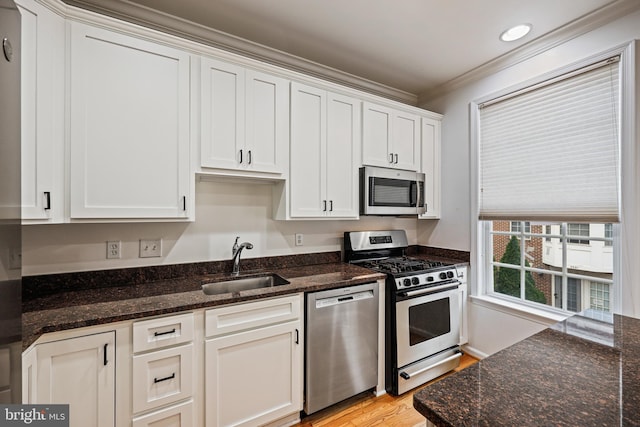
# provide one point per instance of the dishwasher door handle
(343, 299)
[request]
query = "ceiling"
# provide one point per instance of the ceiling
(411, 45)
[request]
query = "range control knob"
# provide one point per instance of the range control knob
(443, 275)
(406, 282)
(430, 279)
(449, 274)
(415, 280)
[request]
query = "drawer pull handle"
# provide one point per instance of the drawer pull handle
(158, 334)
(159, 380)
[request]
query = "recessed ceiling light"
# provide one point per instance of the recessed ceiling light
(515, 33)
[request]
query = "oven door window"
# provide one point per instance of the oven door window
(429, 320)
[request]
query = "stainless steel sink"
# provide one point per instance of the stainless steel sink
(244, 284)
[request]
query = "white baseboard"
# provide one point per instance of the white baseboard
(474, 352)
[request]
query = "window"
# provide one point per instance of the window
(599, 296)
(608, 234)
(578, 230)
(516, 226)
(548, 158)
(552, 272)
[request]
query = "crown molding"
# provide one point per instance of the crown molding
(576, 28)
(159, 21)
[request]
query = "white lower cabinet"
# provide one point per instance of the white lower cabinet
(162, 377)
(235, 365)
(80, 372)
(163, 371)
(253, 374)
(180, 415)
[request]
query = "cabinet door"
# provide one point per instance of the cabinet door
(253, 377)
(267, 122)
(79, 372)
(431, 166)
(129, 136)
(222, 115)
(42, 85)
(343, 142)
(376, 135)
(406, 141)
(308, 151)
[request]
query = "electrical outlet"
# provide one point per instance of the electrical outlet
(113, 249)
(150, 248)
(299, 239)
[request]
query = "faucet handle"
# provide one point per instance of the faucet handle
(235, 244)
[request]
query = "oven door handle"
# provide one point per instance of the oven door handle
(406, 376)
(447, 287)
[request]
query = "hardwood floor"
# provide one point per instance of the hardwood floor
(367, 410)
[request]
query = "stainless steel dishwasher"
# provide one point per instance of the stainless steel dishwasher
(341, 351)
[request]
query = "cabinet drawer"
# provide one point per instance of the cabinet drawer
(162, 332)
(162, 377)
(175, 416)
(251, 315)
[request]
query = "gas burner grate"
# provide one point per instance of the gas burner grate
(401, 265)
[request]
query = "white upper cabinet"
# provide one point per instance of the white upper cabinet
(42, 115)
(431, 166)
(390, 137)
(129, 127)
(325, 135)
(244, 118)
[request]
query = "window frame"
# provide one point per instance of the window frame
(630, 191)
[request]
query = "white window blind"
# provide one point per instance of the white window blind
(551, 151)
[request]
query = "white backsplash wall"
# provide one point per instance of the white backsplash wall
(224, 210)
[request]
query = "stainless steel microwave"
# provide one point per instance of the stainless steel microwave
(385, 191)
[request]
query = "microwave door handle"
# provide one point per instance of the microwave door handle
(418, 195)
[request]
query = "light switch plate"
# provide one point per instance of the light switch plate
(150, 248)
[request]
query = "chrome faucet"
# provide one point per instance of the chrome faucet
(235, 254)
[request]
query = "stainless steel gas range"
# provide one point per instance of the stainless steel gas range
(423, 308)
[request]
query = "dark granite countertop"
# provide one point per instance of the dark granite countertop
(580, 372)
(95, 305)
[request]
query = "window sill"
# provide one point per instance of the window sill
(542, 316)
